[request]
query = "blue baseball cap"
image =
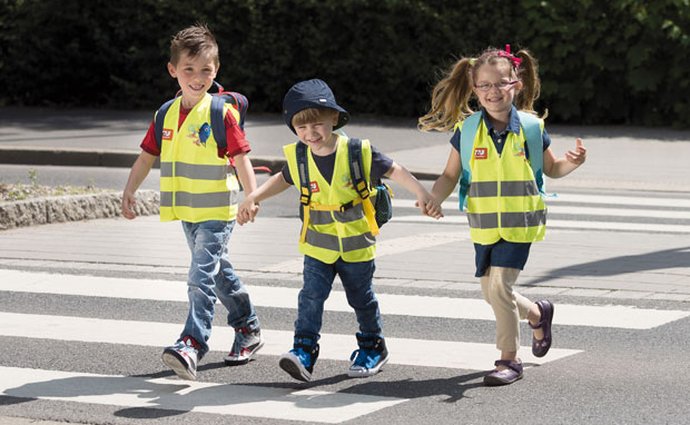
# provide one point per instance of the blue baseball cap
(311, 94)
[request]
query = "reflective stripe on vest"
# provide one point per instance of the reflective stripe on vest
(503, 199)
(196, 185)
(334, 234)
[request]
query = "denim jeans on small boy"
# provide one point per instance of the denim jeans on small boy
(212, 277)
(318, 281)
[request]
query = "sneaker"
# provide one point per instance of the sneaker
(299, 362)
(182, 357)
(369, 358)
(246, 344)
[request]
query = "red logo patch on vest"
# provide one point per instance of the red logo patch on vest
(481, 153)
(167, 134)
(314, 187)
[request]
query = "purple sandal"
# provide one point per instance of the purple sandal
(541, 346)
(505, 376)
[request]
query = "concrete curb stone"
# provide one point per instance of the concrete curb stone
(57, 209)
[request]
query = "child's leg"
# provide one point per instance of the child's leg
(357, 282)
(318, 281)
(233, 294)
(509, 307)
(497, 287)
(206, 241)
(372, 353)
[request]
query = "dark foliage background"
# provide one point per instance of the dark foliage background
(614, 62)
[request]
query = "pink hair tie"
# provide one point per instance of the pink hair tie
(506, 54)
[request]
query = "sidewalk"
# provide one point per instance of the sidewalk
(619, 158)
(422, 255)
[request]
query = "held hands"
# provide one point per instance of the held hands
(429, 206)
(578, 155)
(247, 210)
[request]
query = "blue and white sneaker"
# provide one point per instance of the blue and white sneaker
(182, 357)
(369, 358)
(299, 362)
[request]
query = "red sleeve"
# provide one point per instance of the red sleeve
(149, 144)
(237, 142)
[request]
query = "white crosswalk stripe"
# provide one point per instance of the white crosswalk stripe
(623, 317)
(254, 400)
(584, 211)
(172, 394)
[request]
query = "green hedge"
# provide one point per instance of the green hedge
(621, 61)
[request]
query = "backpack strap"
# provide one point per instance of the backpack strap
(160, 120)
(535, 145)
(467, 136)
(218, 121)
(238, 100)
(360, 184)
(305, 190)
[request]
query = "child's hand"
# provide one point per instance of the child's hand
(128, 203)
(434, 209)
(428, 205)
(247, 211)
(578, 155)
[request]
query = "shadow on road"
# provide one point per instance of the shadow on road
(659, 260)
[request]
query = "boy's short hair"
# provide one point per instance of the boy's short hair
(310, 115)
(193, 41)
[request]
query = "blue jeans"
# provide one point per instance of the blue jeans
(212, 277)
(318, 281)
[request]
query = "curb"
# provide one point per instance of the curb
(57, 209)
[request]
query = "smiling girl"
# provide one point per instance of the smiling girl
(505, 209)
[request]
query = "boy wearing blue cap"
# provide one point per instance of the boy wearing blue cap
(337, 235)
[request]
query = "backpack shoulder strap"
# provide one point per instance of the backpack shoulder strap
(218, 121)
(467, 136)
(531, 125)
(360, 184)
(159, 121)
(303, 171)
(354, 151)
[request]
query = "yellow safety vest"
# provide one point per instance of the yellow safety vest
(503, 200)
(329, 233)
(196, 185)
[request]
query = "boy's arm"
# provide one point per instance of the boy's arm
(446, 182)
(561, 167)
(425, 201)
(250, 206)
(245, 173)
(138, 173)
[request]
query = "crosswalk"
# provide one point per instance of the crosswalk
(643, 213)
(275, 401)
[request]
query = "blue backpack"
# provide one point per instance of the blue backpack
(219, 99)
(535, 145)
